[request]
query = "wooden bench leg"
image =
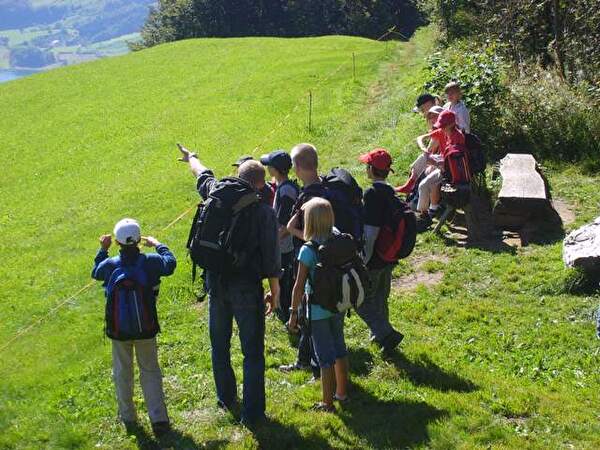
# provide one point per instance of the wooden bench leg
(442, 221)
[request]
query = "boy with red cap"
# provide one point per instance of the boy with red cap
(445, 135)
(377, 200)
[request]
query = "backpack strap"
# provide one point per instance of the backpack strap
(139, 264)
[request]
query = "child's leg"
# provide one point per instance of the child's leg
(122, 357)
(426, 188)
(341, 355)
(328, 377)
(436, 195)
(151, 379)
(407, 187)
(417, 168)
(325, 352)
(342, 368)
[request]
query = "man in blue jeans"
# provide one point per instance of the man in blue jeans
(239, 296)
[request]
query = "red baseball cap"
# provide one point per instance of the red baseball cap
(445, 119)
(378, 158)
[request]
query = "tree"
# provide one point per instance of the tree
(180, 19)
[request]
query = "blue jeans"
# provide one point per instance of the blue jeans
(328, 339)
(286, 282)
(244, 302)
(374, 310)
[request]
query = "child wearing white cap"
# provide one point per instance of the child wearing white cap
(131, 281)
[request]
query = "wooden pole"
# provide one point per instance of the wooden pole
(310, 107)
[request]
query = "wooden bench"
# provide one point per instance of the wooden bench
(523, 203)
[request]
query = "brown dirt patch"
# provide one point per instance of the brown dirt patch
(420, 276)
(565, 210)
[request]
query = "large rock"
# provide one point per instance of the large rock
(581, 248)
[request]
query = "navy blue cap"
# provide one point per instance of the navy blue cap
(279, 159)
(242, 160)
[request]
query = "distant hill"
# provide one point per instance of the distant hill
(95, 20)
(62, 27)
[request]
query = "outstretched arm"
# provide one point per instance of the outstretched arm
(192, 159)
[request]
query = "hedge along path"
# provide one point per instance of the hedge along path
(38, 321)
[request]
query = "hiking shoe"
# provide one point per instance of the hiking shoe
(227, 407)
(131, 426)
(436, 213)
(161, 429)
(423, 222)
(341, 399)
(294, 367)
(323, 407)
(391, 341)
(253, 423)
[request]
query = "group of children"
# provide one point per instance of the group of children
(304, 218)
(448, 125)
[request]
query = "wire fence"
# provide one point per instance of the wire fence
(298, 104)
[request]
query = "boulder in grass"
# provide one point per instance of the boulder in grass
(581, 248)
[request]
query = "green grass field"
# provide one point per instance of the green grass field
(500, 354)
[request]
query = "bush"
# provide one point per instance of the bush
(543, 115)
(479, 73)
(517, 111)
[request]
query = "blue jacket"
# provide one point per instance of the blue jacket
(157, 265)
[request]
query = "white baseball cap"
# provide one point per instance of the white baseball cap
(128, 232)
(437, 110)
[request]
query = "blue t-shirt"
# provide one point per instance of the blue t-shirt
(308, 257)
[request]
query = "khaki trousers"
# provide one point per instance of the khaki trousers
(150, 379)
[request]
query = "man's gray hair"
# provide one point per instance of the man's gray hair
(252, 172)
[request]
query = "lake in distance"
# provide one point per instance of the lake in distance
(13, 74)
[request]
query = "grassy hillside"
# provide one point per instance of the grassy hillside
(499, 349)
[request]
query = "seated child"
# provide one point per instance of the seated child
(420, 164)
(445, 135)
(457, 106)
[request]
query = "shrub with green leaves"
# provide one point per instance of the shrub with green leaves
(525, 110)
(480, 75)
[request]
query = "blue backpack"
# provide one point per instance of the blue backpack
(130, 305)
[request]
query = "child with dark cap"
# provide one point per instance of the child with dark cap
(279, 163)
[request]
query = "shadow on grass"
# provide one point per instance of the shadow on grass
(424, 372)
(361, 361)
(276, 435)
(175, 440)
(388, 423)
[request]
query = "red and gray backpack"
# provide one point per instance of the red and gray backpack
(397, 237)
(457, 170)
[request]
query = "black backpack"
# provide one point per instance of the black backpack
(223, 235)
(475, 153)
(341, 278)
(346, 198)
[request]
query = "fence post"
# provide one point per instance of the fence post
(310, 107)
